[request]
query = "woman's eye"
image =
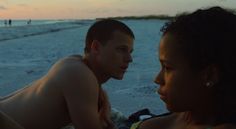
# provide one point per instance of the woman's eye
(166, 68)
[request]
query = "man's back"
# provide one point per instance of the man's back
(49, 102)
(7, 123)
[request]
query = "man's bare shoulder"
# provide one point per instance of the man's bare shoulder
(71, 70)
(68, 62)
(69, 66)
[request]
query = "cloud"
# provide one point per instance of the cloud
(100, 10)
(23, 5)
(2, 7)
(4, 1)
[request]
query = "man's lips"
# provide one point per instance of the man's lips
(124, 67)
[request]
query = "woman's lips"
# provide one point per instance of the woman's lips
(162, 96)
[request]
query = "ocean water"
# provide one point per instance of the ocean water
(20, 29)
(24, 22)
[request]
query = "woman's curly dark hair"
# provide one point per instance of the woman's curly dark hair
(206, 37)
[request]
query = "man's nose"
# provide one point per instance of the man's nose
(128, 58)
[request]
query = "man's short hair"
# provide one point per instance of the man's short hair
(102, 31)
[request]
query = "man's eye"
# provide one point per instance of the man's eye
(122, 49)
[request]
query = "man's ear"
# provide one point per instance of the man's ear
(95, 46)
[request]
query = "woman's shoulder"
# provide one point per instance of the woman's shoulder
(158, 122)
(225, 126)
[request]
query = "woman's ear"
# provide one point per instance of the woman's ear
(211, 75)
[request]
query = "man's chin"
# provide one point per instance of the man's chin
(118, 77)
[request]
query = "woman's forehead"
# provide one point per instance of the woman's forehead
(170, 50)
(168, 45)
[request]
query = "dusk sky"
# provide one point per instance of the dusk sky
(90, 9)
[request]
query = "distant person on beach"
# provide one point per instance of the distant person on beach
(197, 80)
(9, 22)
(29, 22)
(71, 91)
(5, 22)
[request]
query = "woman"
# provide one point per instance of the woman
(197, 80)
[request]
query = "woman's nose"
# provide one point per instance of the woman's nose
(159, 78)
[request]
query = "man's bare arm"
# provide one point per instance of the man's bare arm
(8, 123)
(80, 89)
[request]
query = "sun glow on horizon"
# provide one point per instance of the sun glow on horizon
(90, 9)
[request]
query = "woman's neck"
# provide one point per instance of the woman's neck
(209, 118)
(199, 117)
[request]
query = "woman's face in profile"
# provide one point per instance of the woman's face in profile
(180, 85)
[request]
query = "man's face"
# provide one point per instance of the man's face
(115, 56)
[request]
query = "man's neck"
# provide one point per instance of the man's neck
(96, 69)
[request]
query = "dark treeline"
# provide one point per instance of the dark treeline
(161, 17)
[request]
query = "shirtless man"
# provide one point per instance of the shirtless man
(71, 91)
